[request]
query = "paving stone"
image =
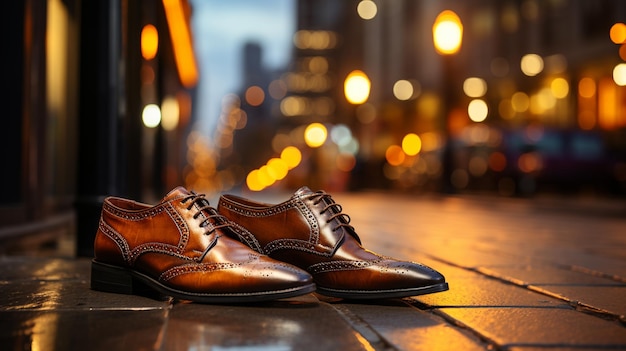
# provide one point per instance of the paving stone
(607, 298)
(541, 327)
(70, 295)
(293, 324)
(81, 330)
(408, 328)
(18, 268)
(487, 292)
(544, 274)
(580, 258)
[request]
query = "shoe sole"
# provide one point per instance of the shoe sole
(110, 278)
(381, 294)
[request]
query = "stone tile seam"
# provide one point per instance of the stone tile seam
(366, 331)
(492, 345)
(577, 305)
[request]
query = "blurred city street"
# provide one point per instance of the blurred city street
(486, 139)
(547, 273)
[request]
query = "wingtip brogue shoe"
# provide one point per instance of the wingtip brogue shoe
(183, 248)
(310, 231)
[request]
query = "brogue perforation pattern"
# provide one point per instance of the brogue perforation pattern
(156, 248)
(310, 218)
(117, 239)
(261, 212)
(183, 229)
(290, 244)
(196, 267)
(246, 236)
(340, 266)
(132, 216)
(296, 203)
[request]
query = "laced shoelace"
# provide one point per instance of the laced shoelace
(209, 212)
(334, 208)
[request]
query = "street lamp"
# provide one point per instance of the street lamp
(357, 87)
(447, 38)
(447, 33)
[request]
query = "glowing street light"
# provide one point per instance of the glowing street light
(357, 87)
(447, 38)
(149, 42)
(447, 33)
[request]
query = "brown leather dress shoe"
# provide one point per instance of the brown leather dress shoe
(183, 248)
(310, 231)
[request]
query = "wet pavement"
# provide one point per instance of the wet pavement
(525, 275)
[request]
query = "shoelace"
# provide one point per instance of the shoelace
(335, 208)
(208, 211)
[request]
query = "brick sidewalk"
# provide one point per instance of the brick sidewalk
(524, 275)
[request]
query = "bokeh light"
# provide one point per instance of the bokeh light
(277, 168)
(559, 88)
(151, 115)
(447, 32)
(531, 64)
(170, 113)
(587, 87)
(357, 87)
(497, 161)
(411, 144)
(254, 95)
(315, 39)
(292, 156)
(475, 87)
(315, 135)
(394, 155)
(149, 42)
(277, 89)
(345, 162)
(403, 90)
(520, 102)
(619, 74)
(341, 135)
(618, 33)
(253, 182)
(367, 9)
(477, 110)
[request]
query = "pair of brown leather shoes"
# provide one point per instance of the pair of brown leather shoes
(245, 251)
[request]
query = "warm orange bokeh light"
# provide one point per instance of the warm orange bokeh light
(447, 33)
(345, 162)
(255, 95)
(587, 87)
(149, 42)
(622, 52)
(411, 144)
(497, 161)
(292, 156)
(529, 162)
(181, 41)
(394, 155)
(618, 33)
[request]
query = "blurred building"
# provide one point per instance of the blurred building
(532, 101)
(85, 84)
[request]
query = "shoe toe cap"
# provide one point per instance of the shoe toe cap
(380, 275)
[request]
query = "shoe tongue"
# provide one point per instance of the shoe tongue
(302, 191)
(177, 192)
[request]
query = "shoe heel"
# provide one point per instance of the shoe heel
(113, 279)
